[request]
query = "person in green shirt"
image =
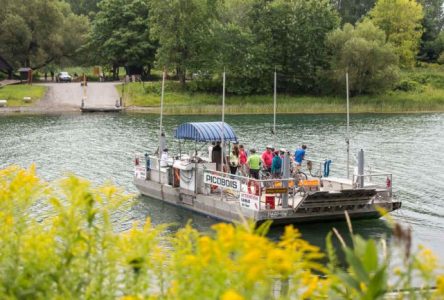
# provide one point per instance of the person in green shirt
(254, 164)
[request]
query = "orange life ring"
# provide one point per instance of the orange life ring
(176, 182)
(255, 185)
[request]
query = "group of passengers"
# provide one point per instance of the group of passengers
(251, 164)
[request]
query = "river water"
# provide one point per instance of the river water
(101, 147)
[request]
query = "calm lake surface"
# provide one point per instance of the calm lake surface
(101, 147)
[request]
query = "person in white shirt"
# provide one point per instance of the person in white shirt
(164, 158)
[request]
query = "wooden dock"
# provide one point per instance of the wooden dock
(101, 109)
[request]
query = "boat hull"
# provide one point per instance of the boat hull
(220, 208)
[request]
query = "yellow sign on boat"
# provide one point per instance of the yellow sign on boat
(276, 190)
(310, 182)
(278, 184)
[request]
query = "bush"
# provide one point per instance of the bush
(409, 86)
(75, 253)
(441, 59)
(205, 85)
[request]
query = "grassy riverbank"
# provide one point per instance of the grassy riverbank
(419, 90)
(15, 93)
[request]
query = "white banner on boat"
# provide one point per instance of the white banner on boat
(249, 201)
(223, 182)
(140, 172)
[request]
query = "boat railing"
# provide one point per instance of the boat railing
(251, 193)
(382, 181)
(372, 176)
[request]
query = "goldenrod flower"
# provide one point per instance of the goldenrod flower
(231, 295)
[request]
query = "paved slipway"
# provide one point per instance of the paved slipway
(67, 97)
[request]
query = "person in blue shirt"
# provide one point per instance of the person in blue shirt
(299, 155)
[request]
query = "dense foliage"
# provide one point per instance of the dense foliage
(351, 11)
(401, 22)
(73, 252)
(84, 7)
(363, 52)
(34, 33)
(195, 40)
(183, 30)
(433, 22)
(120, 35)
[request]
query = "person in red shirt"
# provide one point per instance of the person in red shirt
(242, 160)
(267, 158)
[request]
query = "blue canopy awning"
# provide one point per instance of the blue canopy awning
(205, 132)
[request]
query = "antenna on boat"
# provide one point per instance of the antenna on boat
(347, 139)
(274, 108)
(161, 114)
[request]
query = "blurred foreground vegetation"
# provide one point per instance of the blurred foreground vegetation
(58, 242)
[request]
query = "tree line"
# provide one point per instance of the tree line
(309, 43)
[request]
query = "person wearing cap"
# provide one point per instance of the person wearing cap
(299, 156)
(164, 158)
(254, 163)
(267, 158)
(276, 165)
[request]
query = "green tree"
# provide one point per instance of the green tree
(296, 31)
(401, 22)
(433, 22)
(257, 36)
(239, 47)
(121, 35)
(362, 50)
(351, 11)
(35, 33)
(182, 28)
(84, 7)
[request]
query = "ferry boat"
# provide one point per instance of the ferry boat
(192, 182)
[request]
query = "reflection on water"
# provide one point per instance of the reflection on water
(101, 147)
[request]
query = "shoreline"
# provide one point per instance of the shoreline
(203, 110)
(65, 98)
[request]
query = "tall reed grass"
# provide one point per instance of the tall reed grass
(146, 97)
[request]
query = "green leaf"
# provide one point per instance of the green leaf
(331, 252)
(370, 258)
(378, 284)
(349, 281)
(356, 265)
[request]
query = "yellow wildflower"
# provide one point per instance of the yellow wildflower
(426, 260)
(439, 287)
(311, 287)
(231, 295)
(131, 297)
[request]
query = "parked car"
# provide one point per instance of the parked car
(63, 77)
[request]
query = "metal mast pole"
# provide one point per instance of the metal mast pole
(223, 122)
(161, 115)
(347, 140)
(274, 109)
